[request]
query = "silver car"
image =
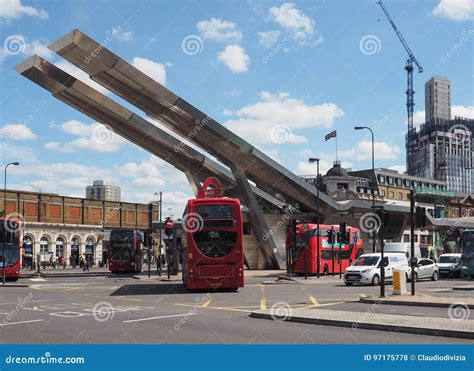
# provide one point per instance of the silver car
(426, 268)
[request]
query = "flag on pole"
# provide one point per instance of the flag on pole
(332, 134)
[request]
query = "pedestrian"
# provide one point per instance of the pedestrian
(86, 264)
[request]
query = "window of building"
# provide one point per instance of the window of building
(381, 179)
(382, 193)
(390, 180)
(400, 195)
(399, 182)
(391, 195)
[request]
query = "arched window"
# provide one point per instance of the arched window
(44, 245)
(59, 246)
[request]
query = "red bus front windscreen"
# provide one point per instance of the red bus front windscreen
(215, 243)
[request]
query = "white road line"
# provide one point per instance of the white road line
(37, 279)
(19, 323)
(31, 301)
(151, 318)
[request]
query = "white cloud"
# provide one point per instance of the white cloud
(80, 75)
(456, 10)
(276, 117)
(14, 9)
(234, 57)
(219, 30)
(463, 111)
(306, 168)
(296, 23)
(400, 168)
(93, 137)
(156, 71)
(16, 132)
(18, 44)
(268, 38)
(418, 118)
(363, 151)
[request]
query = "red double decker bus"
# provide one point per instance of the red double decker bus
(124, 250)
(213, 251)
(10, 230)
(333, 258)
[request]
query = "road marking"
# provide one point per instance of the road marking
(263, 304)
(19, 323)
(323, 305)
(37, 279)
(129, 299)
(161, 317)
(31, 301)
(232, 309)
(314, 301)
(206, 304)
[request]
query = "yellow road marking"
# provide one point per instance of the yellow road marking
(263, 304)
(313, 300)
(323, 305)
(206, 304)
(125, 298)
(215, 308)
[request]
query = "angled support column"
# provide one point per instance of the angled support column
(268, 257)
(193, 182)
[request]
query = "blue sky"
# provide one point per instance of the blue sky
(280, 74)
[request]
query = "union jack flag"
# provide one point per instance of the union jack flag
(332, 134)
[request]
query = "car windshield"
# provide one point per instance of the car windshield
(449, 259)
(366, 261)
(12, 254)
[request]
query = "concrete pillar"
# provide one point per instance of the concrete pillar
(268, 257)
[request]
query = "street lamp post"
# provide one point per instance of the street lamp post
(313, 160)
(161, 230)
(5, 215)
(373, 180)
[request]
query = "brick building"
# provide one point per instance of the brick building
(69, 227)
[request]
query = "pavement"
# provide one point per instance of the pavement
(123, 309)
(421, 301)
(371, 321)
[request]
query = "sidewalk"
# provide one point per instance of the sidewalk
(68, 272)
(420, 300)
(374, 321)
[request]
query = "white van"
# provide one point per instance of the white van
(366, 268)
(403, 247)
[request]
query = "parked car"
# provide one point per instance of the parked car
(425, 268)
(366, 268)
(402, 247)
(449, 265)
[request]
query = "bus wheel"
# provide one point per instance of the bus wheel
(326, 270)
(375, 280)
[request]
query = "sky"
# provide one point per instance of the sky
(281, 75)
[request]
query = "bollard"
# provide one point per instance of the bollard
(399, 281)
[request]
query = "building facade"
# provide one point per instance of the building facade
(69, 227)
(103, 192)
(438, 99)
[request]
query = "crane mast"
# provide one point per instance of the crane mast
(408, 67)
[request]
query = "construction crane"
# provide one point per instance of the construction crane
(408, 67)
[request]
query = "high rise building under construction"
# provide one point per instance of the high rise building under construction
(442, 148)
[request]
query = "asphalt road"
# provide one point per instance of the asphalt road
(127, 310)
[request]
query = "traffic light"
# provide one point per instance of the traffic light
(330, 236)
(420, 217)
